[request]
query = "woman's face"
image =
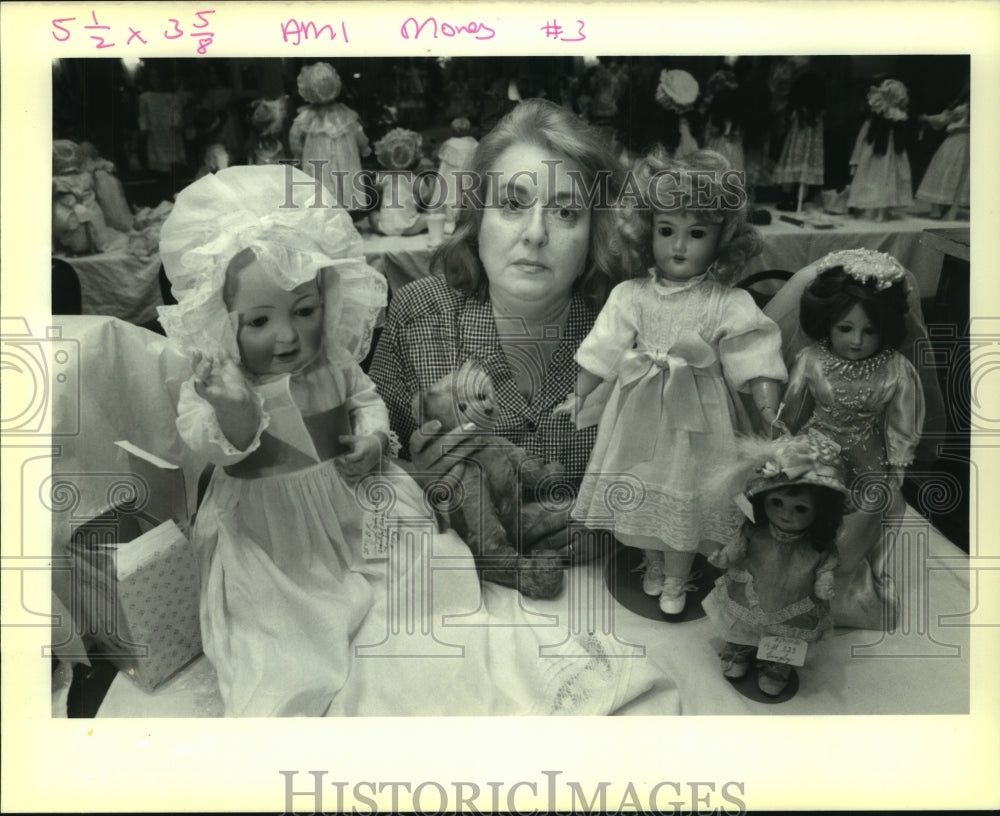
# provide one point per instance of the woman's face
(535, 233)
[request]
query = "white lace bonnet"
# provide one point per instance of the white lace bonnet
(260, 208)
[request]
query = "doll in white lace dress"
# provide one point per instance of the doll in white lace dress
(779, 570)
(853, 385)
(678, 343)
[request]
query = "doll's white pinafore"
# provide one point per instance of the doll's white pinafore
(284, 583)
(297, 621)
(677, 354)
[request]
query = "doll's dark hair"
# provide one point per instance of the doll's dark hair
(829, 504)
(834, 293)
(683, 182)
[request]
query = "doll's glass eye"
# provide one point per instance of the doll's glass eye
(801, 509)
(258, 322)
(666, 232)
(697, 233)
(306, 311)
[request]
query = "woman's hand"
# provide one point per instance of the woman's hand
(434, 454)
(366, 452)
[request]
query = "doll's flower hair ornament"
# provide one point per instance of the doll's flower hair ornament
(319, 83)
(889, 100)
(865, 265)
(270, 210)
(398, 148)
(677, 91)
(810, 458)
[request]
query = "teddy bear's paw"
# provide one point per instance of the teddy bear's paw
(541, 575)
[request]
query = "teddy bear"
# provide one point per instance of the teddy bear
(268, 144)
(493, 482)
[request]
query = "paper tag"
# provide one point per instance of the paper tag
(782, 650)
(376, 536)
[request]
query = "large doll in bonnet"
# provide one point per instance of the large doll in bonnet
(298, 578)
(276, 305)
(328, 132)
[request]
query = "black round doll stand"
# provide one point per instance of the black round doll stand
(623, 576)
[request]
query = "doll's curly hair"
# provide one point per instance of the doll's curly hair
(702, 181)
(834, 293)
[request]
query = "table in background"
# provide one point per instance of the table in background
(791, 247)
(403, 259)
(118, 284)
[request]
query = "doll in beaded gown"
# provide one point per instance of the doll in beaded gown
(853, 385)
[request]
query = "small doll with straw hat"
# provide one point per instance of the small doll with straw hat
(399, 210)
(779, 570)
(880, 166)
(327, 136)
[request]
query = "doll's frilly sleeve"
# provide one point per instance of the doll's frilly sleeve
(270, 210)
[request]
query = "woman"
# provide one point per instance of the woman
(517, 287)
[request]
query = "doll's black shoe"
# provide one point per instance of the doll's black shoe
(773, 677)
(735, 659)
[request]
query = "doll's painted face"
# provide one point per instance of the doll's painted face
(280, 331)
(790, 510)
(684, 244)
(854, 336)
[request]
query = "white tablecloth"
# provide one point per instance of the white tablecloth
(922, 668)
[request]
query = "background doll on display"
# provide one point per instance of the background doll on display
(880, 166)
(328, 131)
(399, 211)
(677, 98)
(945, 185)
(800, 164)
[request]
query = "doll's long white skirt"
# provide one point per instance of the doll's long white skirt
(296, 621)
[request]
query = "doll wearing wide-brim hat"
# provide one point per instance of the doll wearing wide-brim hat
(779, 572)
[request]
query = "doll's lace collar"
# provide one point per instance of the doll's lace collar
(783, 537)
(670, 287)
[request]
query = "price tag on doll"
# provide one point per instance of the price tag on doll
(782, 650)
(376, 536)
